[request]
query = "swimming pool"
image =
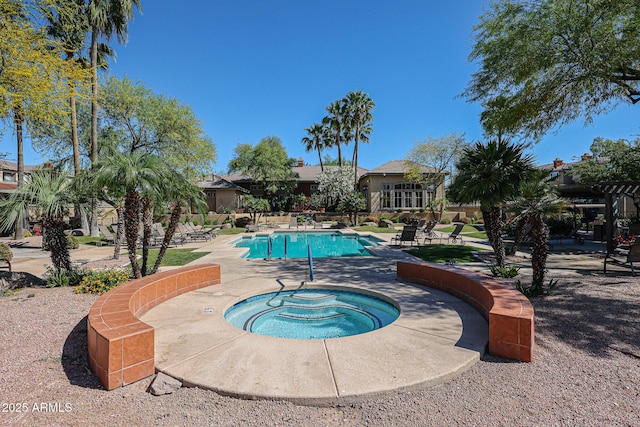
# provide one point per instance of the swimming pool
(312, 313)
(323, 244)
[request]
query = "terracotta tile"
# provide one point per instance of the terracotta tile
(138, 348)
(503, 349)
(504, 328)
(91, 340)
(119, 319)
(137, 372)
(114, 380)
(102, 352)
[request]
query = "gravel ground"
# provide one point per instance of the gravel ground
(586, 372)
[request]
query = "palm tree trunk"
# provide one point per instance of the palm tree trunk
(168, 235)
(119, 232)
(540, 236)
(320, 159)
(496, 239)
(355, 159)
(57, 243)
(18, 119)
(94, 94)
(131, 222)
(147, 220)
(93, 155)
(74, 124)
(519, 235)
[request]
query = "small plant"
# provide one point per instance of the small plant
(58, 279)
(99, 282)
(506, 272)
(445, 221)
(72, 242)
(530, 291)
(465, 220)
(6, 254)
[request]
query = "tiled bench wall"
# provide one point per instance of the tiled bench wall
(121, 347)
(510, 314)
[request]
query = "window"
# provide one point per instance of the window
(386, 196)
(313, 187)
(9, 177)
(255, 187)
(403, 195)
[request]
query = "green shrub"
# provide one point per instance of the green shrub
(506, 272)
(99, 282)
(63, 277)
(445, 220)
(5, 252)
(58, 279)
(72, 242)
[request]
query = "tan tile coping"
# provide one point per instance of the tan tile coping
(121, 347)
(510, 314)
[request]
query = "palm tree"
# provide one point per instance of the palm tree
(106, 18)
(315, 140)
(359, 107)
(337, 124)
(70, 27)
(135, 173)
(537, 200)
(490, 174)
(182, 194)
(47, 191)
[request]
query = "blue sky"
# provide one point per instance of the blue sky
(251, 69)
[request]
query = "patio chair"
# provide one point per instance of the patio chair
(454, 236)
(624, 256)
(108, 236)
(158, 234)
(408, 234)
(191, 233)
(293, 222)
(428, 234)
(211, 233)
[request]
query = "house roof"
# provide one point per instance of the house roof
(215, 182)
(396, 167)
(13, 167)
(305, 173)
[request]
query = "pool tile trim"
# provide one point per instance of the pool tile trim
(121, 347)
(509, 313)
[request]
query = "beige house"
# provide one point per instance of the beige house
(386, 189)
(222, 194)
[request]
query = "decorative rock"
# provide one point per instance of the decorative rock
(164, 384)
(385, 223)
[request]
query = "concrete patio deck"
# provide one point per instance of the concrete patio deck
(435, 337)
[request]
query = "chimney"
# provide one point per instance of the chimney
(586, 156)
(557, 162)
(300, 162)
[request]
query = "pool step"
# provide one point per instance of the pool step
(309, 298)
(307, 318)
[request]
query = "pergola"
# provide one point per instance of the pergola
(612, 192)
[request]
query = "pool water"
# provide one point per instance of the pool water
(323, 244)
(312, 314)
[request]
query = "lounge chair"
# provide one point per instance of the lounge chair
(623, 256)
(211, 233)
(191, 233)
(454, 236)
(408, 234)
(158, 234)
(293, 222)
(427, 233)
(108, 236)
